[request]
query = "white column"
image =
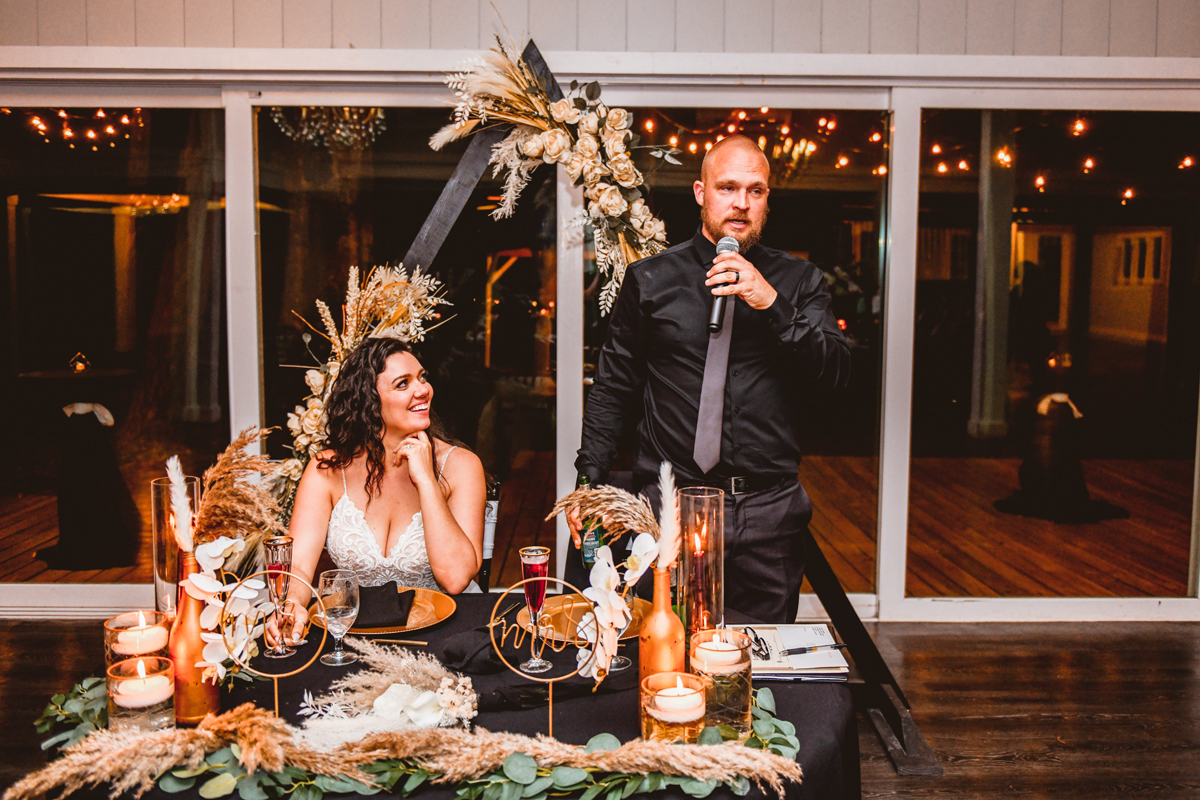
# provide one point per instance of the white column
(899, 318)
(242, 306)
(989, 371)
(568, 316)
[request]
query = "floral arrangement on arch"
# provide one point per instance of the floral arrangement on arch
(225, 533)
(656, 540)
(388, 304)
(594, 143)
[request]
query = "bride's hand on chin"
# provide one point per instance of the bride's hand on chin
(416, 450)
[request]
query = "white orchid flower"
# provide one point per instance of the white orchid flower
(211, 555)
(585, 663)
(610, 608)
(425, 711)
(586, 628)
(643, 554)
(604, 575)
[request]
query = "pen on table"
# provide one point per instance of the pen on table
(795, 651)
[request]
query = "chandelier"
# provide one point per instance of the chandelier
(335, 127)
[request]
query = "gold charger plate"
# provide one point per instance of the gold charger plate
(565, 611)
(428, 609)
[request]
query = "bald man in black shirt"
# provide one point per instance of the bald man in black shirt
(782, 339)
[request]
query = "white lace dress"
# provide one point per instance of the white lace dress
(353, 546)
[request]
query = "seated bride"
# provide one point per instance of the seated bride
(390, 499)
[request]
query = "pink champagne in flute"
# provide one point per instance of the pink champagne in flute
(535, 565)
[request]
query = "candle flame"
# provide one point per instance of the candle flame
(141, 669)
(141, 620)
(678, 683)
(696, 540)
(716, 637)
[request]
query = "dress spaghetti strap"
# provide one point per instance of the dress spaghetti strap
(445, 458)
(345, 488)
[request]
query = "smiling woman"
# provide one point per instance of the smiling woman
(393, 499)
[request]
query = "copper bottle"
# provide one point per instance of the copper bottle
(194, 697)
(661, 645)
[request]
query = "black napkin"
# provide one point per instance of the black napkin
(471, 652)
(383, 606)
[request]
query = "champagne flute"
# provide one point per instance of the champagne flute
(338, 589)
(535, 563)
(278, 551)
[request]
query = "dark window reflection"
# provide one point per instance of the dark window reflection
(115, 262)
(1080, 281)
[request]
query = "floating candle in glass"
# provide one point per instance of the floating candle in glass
(141, 694)
(135, 633)
(672, 707)
(722, 657)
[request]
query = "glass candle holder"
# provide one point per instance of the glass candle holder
(141, 694)
(702, 580)
(166, 548)
(136, 633)
(672, 707)
(722, 658)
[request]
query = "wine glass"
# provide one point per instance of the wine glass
(338, 589)
(535, 563)
(620, 662)
(278, 551)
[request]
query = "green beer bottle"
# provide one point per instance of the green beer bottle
(592, 534)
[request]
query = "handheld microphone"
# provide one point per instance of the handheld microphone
(728, 244)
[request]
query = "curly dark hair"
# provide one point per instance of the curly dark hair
(354, 413)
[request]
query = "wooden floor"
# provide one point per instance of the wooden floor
(1090, 710)
(959, 544)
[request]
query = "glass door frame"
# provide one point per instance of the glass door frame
(899, 324)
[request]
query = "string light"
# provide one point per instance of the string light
(963, 165)
(674, 140)
(762, 143)
(99, 113)
(880, 170)
(942, 167)
(692, 147)
(649, 124)
(124, 119)
(936, 149)
(875, 137)
(1040, 182)
(707, 146)
(764, 109)
(1004, 157)
(68, 133)
(1187, 162)
(822, 122)
(1078, 127)
(1088, 164)
(785, 130)
(110, 130)
(62, 112)
(732, 128)
(91, 134)
(719, 137)
(842, 161)
(741, 115)
(832, 124)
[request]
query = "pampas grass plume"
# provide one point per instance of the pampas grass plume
(668, 525)
(180, 505)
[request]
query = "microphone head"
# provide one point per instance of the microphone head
(728, 244)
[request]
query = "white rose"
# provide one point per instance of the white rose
(556, 146)
(315, 380)
(293, 421)
(593, 190)
(532, 147)
(624, 172)
(332, 368)
(565, 111)
(639, 210)
(593, 172)
(618, 119)
(611, 202)
(590, 124)
(313, 420)
(575, 165)
(614, 142)
(588, 147)
(301, 442)
(291, 469)
(656, 229)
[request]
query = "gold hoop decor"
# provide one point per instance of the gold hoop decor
(224, 618)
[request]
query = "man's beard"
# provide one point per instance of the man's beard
(746, 239)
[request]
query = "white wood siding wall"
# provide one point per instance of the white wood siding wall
(984, 27)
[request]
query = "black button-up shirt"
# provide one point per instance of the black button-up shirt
(656, 347)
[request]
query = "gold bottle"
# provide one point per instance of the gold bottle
(661, 645)
(194, 697)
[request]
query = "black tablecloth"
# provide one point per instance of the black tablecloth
(822, 712)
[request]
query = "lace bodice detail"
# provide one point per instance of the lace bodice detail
(352, 545)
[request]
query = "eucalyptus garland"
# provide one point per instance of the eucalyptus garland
(222, 772)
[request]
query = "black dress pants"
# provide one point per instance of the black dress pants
(764, 551)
